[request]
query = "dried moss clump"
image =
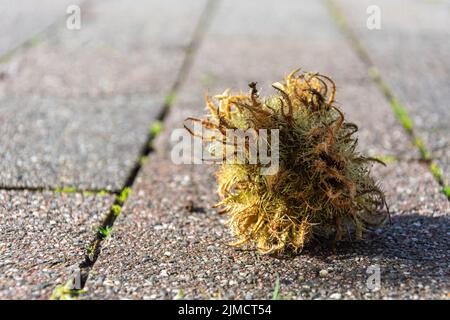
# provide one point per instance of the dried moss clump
(323, 186)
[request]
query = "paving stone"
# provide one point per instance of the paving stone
(160, 248)
(412, 53)
(21, 20)
(43, 235)
(87, 143)
(121, 48)
(263, 41)
(78, 105)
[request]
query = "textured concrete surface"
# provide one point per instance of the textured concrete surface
(87, 143)
(160, 248)
(43, 235)
(412, 53)
(263, 41)
(21, 20)
(78, 105)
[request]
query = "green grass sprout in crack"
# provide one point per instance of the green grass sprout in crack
(34, 41)
(180, 295)
(436, 171)
(90, 250)
(105, 232)
(103, 193)
(115, 210)
(122, 197)
(66, 190)
(66, 292)
(143, 160)
(425, 154)
(156, 128)
(85, 193)
(402, 116)
(323, 186)
(446, 190)
(170, 99)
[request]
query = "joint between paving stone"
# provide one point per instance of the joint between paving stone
(69, 291)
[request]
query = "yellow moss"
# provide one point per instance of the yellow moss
(323, 184)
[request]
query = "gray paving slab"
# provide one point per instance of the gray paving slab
(412, 53)
(78, 105)
(121, 48)
(160, 249)
(88, 143)
(21, 20)
(263, 41)
(42, 236)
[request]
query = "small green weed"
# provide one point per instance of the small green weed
(122, 197)
(115, 210)
(105, 232)
(277, 290)
(170, 99)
